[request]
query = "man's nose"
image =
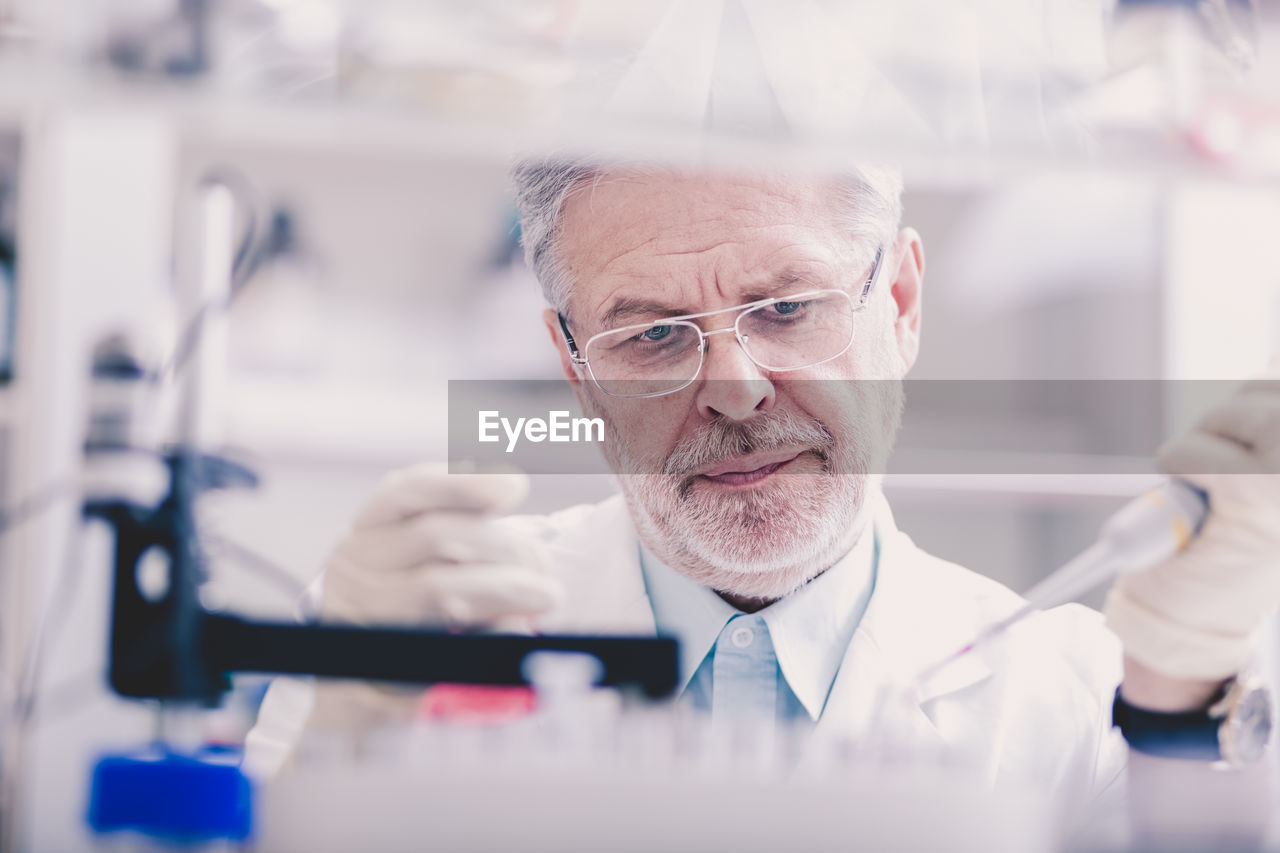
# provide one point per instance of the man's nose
(733, 385)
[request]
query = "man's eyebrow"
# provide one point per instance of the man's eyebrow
(629, 308)
(786, 281)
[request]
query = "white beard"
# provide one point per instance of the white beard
(764, 542)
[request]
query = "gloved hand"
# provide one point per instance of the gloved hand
(1193, 616)
(425, 552)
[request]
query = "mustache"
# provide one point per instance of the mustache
(723, 439)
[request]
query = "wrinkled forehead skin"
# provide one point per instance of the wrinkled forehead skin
(699, 241)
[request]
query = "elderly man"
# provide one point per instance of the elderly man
(716, 323)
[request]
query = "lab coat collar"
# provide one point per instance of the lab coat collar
(917, 616)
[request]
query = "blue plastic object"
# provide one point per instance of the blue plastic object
(173, 797)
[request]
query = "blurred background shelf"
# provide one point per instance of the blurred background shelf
(983, 91)
(350, 127)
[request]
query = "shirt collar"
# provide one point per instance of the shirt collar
(810, 629)
(684, 609)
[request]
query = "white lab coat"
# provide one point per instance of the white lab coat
(1033, 705)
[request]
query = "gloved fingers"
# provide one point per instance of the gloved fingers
(430, 487)
(463, 595)
(1167, 644)
(1193, 615)
(440, 537)
(1251, 418)
(480, 595)
(1199, 456)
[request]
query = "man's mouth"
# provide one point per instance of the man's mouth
(750, 469)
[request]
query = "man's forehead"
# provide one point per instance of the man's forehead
(616, 200)
(631, 230)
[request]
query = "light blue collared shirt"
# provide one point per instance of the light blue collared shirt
(778, 663)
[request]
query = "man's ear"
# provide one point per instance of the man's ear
(907, 290)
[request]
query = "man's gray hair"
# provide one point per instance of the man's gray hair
(870, 207)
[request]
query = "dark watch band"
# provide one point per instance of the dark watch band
(1187, 734)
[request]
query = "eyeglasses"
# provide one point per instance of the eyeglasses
(781, 334)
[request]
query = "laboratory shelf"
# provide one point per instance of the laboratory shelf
(366, 127)
(1020, 489)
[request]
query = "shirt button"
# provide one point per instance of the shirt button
(742, 637)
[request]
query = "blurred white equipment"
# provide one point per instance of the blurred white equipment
(587, 772)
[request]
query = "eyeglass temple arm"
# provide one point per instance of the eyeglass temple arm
(574, 354)
(866, 288)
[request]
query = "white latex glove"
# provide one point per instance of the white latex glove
(425, 552)
(1193, 616)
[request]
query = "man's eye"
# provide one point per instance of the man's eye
(787, 307)
(656, 333)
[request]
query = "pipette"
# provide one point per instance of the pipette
(1149, 529)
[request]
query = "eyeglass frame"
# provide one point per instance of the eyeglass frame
(579, 358)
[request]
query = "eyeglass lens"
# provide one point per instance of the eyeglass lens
(646, 360)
